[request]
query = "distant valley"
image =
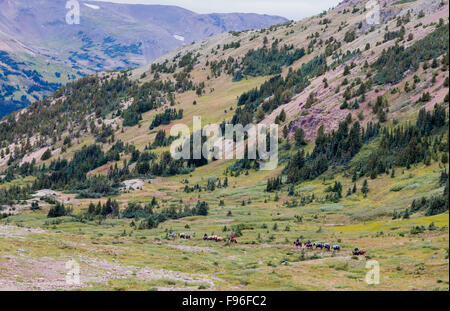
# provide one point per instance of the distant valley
(39, 51)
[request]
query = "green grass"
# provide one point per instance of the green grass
(264, 257)
(403, 2)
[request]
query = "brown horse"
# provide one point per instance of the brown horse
(358, 252)
(336, 247)
(184, 236)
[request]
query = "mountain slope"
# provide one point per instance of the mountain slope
(109, 36)
(363, 161)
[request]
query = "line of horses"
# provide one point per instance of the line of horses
(206, 237)
(180, 235)
(297, 243)
(326, 246)
(315, 245)
(216, 238)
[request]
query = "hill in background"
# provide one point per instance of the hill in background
(39, 51)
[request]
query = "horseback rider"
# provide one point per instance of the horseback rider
(232, 236)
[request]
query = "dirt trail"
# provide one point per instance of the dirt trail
(22, 273)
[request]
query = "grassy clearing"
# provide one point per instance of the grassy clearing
(264, 258)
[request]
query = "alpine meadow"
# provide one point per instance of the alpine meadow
(92, 185)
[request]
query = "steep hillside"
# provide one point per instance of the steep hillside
(109, 36)
(363, 162)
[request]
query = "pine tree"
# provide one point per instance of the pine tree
(46, 155)
(365, 188)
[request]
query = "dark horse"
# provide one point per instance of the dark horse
(318, 245)
(185, 236)
(357, 252)
(298, 243)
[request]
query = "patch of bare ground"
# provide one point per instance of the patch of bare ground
(14, 209)
(18, 232)
(23, 273)
(188, 248)
(62, 197)
(45, 193)
(133, 184)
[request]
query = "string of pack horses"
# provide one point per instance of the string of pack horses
(307, 245)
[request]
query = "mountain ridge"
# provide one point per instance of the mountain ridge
(109, 36)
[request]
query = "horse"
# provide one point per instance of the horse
(184, 236)
(318, 245)
(298, 244)
(205, 237)
(219, 239)
(336, 247)
(327, 246)
(357, 252)
(173, 235)
(309, 245)
(233, 240)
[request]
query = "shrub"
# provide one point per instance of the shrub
(57, 210)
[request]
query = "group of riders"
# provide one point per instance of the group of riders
(206, 237)
(180, 235)
(216, 238)
(327, 246)
(297, 243)
(310, 245)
